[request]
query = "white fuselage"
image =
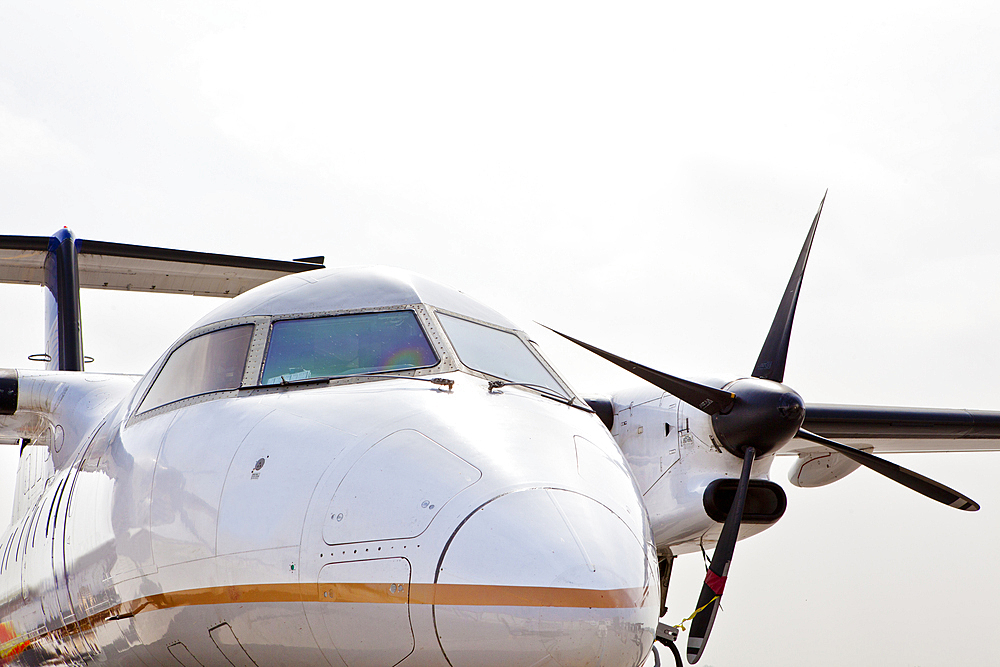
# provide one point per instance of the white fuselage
(368, 521)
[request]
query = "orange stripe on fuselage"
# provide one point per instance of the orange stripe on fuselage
(466, 595)
(477, 595)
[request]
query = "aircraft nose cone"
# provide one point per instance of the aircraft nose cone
(546, 577)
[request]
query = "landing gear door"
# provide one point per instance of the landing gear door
(361, 613)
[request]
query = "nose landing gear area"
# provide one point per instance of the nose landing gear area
(666, 636)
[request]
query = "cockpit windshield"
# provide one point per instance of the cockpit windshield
(207, 363)
(321, 347)
(498, 353)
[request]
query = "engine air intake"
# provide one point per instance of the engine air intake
(765, 503)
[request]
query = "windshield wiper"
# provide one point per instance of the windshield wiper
(448, 382)
(541, 389)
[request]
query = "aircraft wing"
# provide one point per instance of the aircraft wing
(120, 266)
(900, 430)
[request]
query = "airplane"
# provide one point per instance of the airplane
(361, 466)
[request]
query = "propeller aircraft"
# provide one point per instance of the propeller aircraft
(363, 467)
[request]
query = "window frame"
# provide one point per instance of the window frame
(254, 354)
(523, 336)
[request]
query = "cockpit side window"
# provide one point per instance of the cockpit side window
(210, 362)
(499, 353)
(342, 345)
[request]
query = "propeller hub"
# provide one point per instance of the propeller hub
(765, 416)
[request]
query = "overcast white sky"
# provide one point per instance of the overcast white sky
(640, 175)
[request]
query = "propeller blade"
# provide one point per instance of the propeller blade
(908, 478)
(707, 399)
(718, 570)
(771, 362)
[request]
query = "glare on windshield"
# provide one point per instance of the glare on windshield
(321, 347)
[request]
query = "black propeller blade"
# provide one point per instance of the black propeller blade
(756, 416)
(771, 362)
(908, 478)
(718, 570)
(707, 399)
(758, 413)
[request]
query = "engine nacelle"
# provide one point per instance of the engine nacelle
(820, 468)
(687, 479)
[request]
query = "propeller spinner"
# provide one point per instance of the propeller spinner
(753, 417)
